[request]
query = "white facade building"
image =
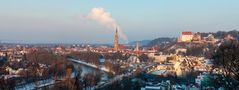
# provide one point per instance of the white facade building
(186, 36)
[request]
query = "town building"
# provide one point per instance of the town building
(196, 37)
(186, 36)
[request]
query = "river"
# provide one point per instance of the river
(84, 70)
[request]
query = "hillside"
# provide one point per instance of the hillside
(142, 42)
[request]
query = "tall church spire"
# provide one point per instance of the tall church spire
(116, 41)
(137, 50)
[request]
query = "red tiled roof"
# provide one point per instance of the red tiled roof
(187, 33)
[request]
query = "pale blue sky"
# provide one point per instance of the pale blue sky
(61, 21)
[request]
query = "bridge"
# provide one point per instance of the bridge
(91, 65)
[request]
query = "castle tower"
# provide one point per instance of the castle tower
(116, 41)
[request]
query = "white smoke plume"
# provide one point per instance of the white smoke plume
(105, 18)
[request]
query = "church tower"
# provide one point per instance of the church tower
(137, 47)
(116, 41)
(137, 50)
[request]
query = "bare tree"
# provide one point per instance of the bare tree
(226, 62)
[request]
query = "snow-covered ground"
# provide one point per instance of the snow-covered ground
(33, 85)
(42, 83)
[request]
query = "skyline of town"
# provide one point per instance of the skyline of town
(192, 61)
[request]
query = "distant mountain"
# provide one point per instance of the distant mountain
(157, 41)
(142, 42)
(161, 40)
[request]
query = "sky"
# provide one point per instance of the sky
(94, 21)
